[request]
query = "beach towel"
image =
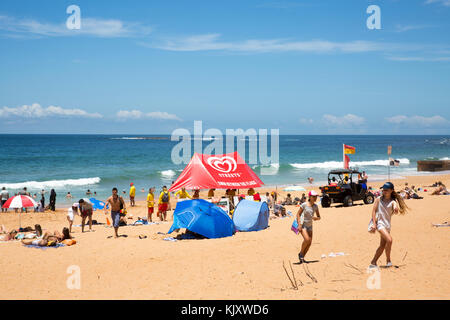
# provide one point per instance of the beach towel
(58, 245)
(170, 239)
(294, 226)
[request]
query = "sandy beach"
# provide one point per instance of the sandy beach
(245, 266)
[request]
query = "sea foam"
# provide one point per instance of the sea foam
(339, 164)
(51, 183)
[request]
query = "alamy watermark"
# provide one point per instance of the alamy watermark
(373, 282)
(74, 279)
(73, 22)
(374, 20)
(218, 143)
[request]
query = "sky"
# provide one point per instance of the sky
(150, 67)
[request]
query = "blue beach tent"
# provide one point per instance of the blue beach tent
(251, 216)
(202, 217)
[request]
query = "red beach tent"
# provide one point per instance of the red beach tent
(226, 171)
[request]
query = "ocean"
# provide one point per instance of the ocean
(77, 163)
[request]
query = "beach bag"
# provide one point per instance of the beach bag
(165, 197)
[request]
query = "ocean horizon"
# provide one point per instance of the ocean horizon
(78, 162)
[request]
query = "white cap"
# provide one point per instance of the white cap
(313, 193)
(75, 205)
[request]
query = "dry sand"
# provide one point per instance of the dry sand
(245, 266)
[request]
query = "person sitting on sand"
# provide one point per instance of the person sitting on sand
(441, 190)
(196, 194)
(279, 209)
(49, 239)
(288, 201)
(383, 208)
(305, 218)
(411, 193)
(303, 198)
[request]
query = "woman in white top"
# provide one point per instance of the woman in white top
(305, 217)
(384, 207)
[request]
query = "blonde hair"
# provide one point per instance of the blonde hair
(403, 208)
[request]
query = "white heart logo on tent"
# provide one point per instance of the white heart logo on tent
(224, 164)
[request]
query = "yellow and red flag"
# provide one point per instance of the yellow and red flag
(349, 149)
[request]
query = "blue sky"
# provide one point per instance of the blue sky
(304, 67)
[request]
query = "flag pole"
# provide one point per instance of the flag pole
(343, 155)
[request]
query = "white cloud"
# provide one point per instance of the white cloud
(137, 114)
(36, 111)
(306, 121)
(103, 28)
(211, 42)
(404, 28)
(419, 59)
(347, 120)
(418, 121)
(443, 2)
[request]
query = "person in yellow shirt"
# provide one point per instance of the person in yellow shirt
(150, 204)
(163, 203)
(182, 194)
(132, 194)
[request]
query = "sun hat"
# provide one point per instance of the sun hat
(312, 193)
(131, 184)
(388, 185)
(75, 205)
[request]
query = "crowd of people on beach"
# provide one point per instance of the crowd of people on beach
(388, 202)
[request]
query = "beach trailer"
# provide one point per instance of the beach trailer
(251, 216)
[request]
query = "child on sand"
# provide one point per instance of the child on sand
(71, 212)
(305, 217)
(384, 207)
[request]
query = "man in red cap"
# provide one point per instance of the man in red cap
(132, 194)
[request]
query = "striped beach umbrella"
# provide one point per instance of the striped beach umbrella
(18, 202)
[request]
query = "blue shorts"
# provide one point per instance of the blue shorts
(308, 228)
(115, 216)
